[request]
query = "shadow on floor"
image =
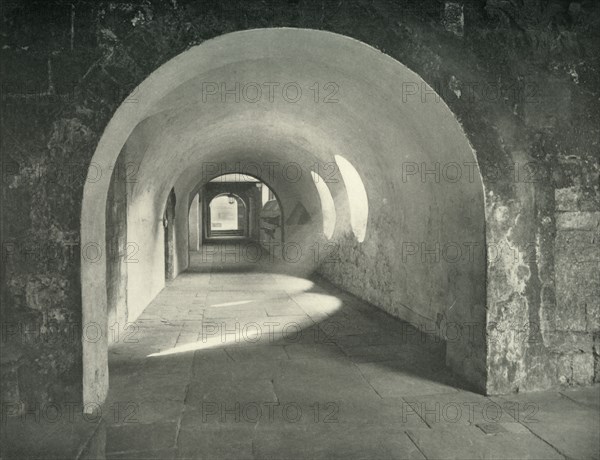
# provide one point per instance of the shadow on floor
(240, 359)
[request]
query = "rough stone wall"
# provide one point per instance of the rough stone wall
(576, 320)
(523, 81)
(554, 133)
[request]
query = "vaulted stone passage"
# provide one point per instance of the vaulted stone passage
(215, 110)
(453, 207)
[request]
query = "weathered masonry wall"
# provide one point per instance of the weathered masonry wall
(523, 82)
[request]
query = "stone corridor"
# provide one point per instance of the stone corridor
(430, 167)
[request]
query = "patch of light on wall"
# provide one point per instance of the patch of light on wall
(357, 197)
(327, 205)
(264, 194)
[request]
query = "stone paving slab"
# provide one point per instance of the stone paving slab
(140, 437)
(569, 426)
(148, 387)
(460, 408)
(383, 353)
(330, 389)
(586, 396)
(234, 443)
(376, 413)
(318, 305)
(289, 308)
(257, 353)
(29, 437)
(161, 454)
(395, 379)
(221, 390)
(318, 349)
(335, 442)
(135, 411)
(469, 442)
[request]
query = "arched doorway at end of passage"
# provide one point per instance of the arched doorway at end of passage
(263, 218)
(227, 216)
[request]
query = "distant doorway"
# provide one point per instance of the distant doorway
(227, 217)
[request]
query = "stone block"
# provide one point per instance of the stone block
(566, 198)
(454, 18)
(583, 368)
(577, 198)
(564, 369)
(578, 220)
(577, 281)
(569, 342)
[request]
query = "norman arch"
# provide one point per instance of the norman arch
(181, 124)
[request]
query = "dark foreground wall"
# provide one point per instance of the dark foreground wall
(523, 82)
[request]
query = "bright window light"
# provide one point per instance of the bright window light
(357, 197)
(327, 205)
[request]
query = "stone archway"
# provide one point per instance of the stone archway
(197, 187)
(360, 112)
(242, 216)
